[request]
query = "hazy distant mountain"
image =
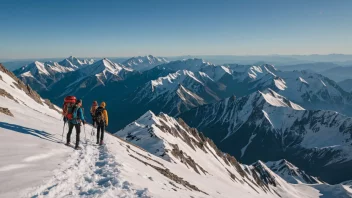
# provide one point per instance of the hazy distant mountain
(338, 73)
(316, 67)
(346, 85)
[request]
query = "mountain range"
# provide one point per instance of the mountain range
(156, 156)
(300, 116)
(267, 126)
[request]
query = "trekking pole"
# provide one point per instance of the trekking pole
(85, 135)
(63, 131)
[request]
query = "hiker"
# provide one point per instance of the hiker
(77, 119)
(92, 112)
(102, 120)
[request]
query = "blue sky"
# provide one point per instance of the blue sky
(48, 29)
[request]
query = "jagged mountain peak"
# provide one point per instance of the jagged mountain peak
(276, 100)
(34, 68)
(142, 63)
(291, 173)
(103, 65)
(172, 80)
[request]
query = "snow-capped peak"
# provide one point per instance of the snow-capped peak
(277, 100)
(34, 68)
(172, 80)
(105, 69)
(142, 63)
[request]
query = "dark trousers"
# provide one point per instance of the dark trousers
(78, 131)
(93, 120)
(100, 130)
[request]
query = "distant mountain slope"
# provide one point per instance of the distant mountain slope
(143, 63)
(267, 126)
(346, 85)
(338, 73)
(316, 67)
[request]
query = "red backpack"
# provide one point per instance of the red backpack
(67, 109)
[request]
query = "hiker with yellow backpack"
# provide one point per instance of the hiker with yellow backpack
(102, 121)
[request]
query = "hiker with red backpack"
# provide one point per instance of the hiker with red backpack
(73, 113)
(102, 120)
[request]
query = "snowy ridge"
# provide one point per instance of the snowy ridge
(142, 63)
(43, 75)
(104, 66)
(171, 81)
(174, 141)
(73, 62)
(291, 173)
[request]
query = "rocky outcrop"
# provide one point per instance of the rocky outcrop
(6, 111)
(4, 93)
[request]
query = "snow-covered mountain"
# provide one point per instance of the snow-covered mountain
(81, 82)
(41, 76)
(206, 83)
(178, 92)
(142, 63)
(291, 173)
(346, 85)
(174, 141)
(35, 163)
(308, 89)
(267, 126)
(73, 62)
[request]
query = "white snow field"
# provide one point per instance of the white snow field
(35, 163)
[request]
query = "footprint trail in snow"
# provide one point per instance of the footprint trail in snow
(90, 172)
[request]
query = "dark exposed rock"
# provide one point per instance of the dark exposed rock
(6, 111)
(186, 159)
(4, 93)
(167, 173)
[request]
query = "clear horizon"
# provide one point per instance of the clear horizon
(53, 29)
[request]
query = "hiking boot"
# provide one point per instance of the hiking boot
(101, 142)
(78, 148)
(67, 144)
(97, 141)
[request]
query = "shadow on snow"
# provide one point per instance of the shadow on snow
(20, 129)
